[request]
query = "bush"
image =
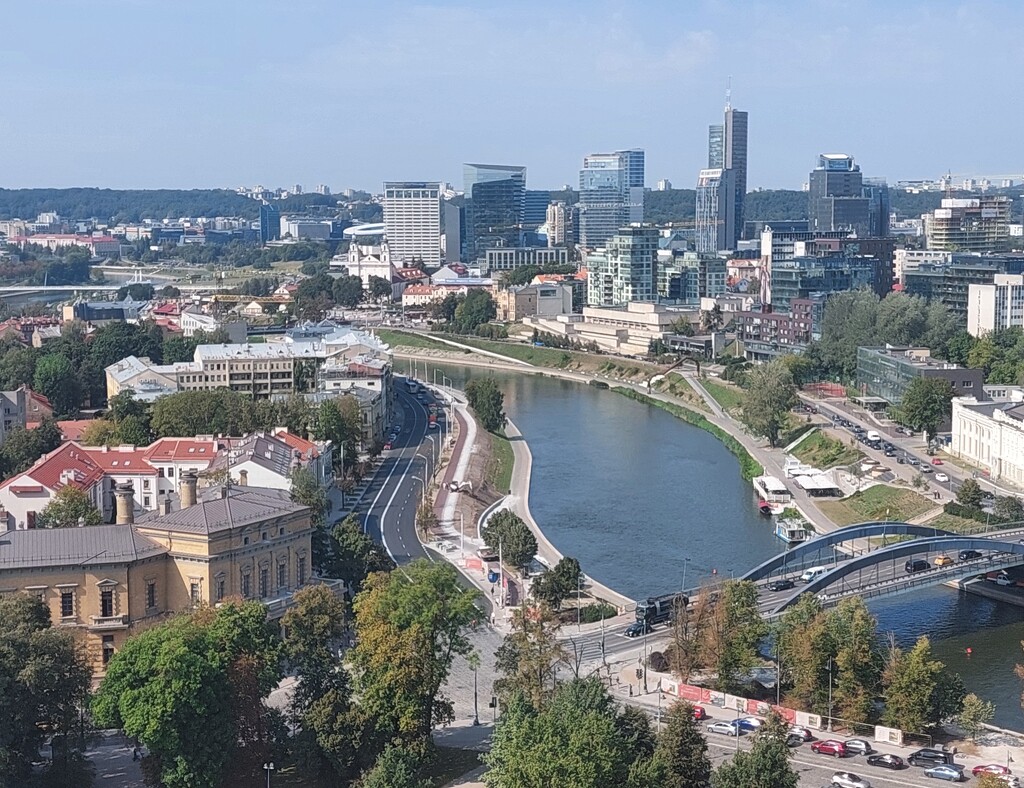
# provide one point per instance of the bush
(595, 612)
(658, 661)
(973, 513)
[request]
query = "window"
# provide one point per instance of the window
(106, 602)
(282, 575)
(264, 581)
(194, 592)
(220, 589)
(263, 536)
(150, 594)
(145, 484)
(108, 648)
(300, 574)
(170, 472)
(67, 604)
(280, 531)
(245, 540)
(145, 501)
(246, 585)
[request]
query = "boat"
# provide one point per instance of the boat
(769, 509)
(791, 531)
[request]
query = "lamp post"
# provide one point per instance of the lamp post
(423, 498)
(829, 726)
(474, 663)
(433, 443)
(268, 768)
(426, 462)
(579, 577)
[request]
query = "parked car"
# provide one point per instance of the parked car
(941, 478)
(887, 761)
(724, 728)
(700, 713)
(858, 746)
(829, 747)
(926, 468)
(1002, 579)
(916, 565)
(804, 733)
(929, 756)
(942, 560)
(991, 768)
(780, 585)
(913, 461)
(968, 555)
(387, 446)
(750, 723)
(849, 780)
(945, 772)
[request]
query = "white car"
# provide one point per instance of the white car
(849, 780)
(941, 477)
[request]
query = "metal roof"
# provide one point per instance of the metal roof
(87, 546)
(223, 507)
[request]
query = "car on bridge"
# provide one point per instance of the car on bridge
(849, 780)
(887, 760)
(952, 774)
(916, 565)
(829, 747)
(968, 555)
(942, 560)
(780, 585)
(725, 728)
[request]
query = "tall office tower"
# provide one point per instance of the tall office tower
(876, 190)
(715, 212)
(624, 270)
(494, 202)
(412, 222)
(611, 194)
(454, 231)
(561, 221)
(535, 209)
(270, 223)
(836, 198)
(727, 150)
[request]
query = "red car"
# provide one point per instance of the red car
(387, 446)
(829, 747)
(699, 713)
(991, 768)
(936, 461)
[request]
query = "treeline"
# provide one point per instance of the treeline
(36, 265)
(124, 205)
(235, 254)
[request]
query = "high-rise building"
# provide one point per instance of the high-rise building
(454, 231)
(624, 270)
(716, 146)
(979, 224)
(535, 209)
(690, 276)
(727, 154)
(611, 194)
(494, 203)
(877, 192)
(412, 222)
(715, 212)
(735, 144)
(561, 222)
(323, 188)
(996, 306)
(270, 223)
(836, 198)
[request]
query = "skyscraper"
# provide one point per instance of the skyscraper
(270, 223)
(715, 212)
(611, 194)
(624, 270)
(561, 221)
(836, 198)
(716, 146)
(727, 152)
(735, 159)
(412, 222)
(494, 203)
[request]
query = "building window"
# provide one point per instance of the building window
(67, 604)
(264, 581)
(282, 575)
(246, 585)
(106, 603)
(145, 484)
(108, 648)
(150, 594)
(194, 592)
(245, 540)
(220, 589)
(263, 536)
(145, 501)
(170, 473)
(300, 574)
(280, 531)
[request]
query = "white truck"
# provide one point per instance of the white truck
(873, 436)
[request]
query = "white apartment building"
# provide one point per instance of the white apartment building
(191, 321)
(991, 307)
(623, 271)
(991, 435)
(510, 258)
(412, 222)
(910, 259)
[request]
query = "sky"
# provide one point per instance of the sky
(224, 93)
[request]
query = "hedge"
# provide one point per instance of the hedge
(749, 467)
(973, 513)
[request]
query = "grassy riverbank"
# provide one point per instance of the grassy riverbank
(499, 469)
(878, 502)
(403, 339)
(749, 467)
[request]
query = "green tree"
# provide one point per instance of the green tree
(926, 403)
(857, 665)
(517, 543)
(18, 366)
(116, 341)
(69, 508)
(410, 626)
(23, 447)
(735, 631)
(44, 681)
(959, 347)
(765, 765)
(380, 288)
(340, 422)
(476, 309)
(307, 490)
(975, 714)
(847, 323)
(1008, 507)
(354, 554)
(56, 379)
(348, 291)
(970, 493)
(487, 402)
(396, 767)
(918, 691)
(711, 319)
(214, 411)
(528, 657)
(444, 309)
(683, 749)
(769, 396)
(201, 666)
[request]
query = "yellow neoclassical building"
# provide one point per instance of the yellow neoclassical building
(109, 581)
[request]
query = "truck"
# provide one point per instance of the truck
(873, 436)
(659, 609)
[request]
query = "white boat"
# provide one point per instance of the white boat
(791, 531)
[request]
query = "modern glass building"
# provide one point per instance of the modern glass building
(624, 270)
(270, 223)
(495, 197)
(886, 372)
(799, 277)
(716, 146)
(611, 195)
(715, 211)
(690, 276)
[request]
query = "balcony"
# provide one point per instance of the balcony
(108, 622)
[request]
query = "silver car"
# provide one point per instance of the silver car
(726, 728)
(849, 780)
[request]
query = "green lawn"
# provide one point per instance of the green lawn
(402, 339)
(728, 396)
(500, 471)
(538, 356)
(681, 387)
(824, 452)
(958, 525)
(879, 502)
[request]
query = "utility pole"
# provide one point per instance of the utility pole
(501, 575)
(462, 533)
(645, 658)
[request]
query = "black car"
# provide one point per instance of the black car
(637, 629)
(886, 761)
(968, 555)
(917, 565)
(780, 585)
(792, 740)
(900, 461)
(929, 756)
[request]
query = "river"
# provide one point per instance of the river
(635, 494)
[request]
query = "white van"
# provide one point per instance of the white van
(813, 573)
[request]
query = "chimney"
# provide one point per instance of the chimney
(165, 506)
(243, 477)
(124, 499)
(187, 490)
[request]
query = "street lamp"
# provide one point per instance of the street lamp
(829, 726)
(268, 768)
(474, 663)
(427, 464)
(579, 578)
(424, 496)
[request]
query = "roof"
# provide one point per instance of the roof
(72, 429)
(305, 447)
(418, 290)
(89, 546)
(121, 460)
(212, 513)
(181, 449)
(69, 463)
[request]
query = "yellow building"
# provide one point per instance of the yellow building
(109, 581)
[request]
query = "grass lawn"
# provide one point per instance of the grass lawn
(874, 503)
(680, 387)
(538, 356)
(958, 525)
(402, 339)
(728, 396)
(824, 452)
(499, 471)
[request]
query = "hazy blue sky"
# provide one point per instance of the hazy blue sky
(203, 93)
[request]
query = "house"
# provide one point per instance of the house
(287, 291)
(15, 411)
(252, 309)
(267, 460)
(26, 494)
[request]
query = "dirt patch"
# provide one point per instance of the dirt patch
(472, 505)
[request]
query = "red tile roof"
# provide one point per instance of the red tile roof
(72, 429)
(121, 460)
(67, 464)
(171, 449)
(307, 448)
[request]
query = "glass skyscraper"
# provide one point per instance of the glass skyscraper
(611, 194)
(494, 203)
(727, 153)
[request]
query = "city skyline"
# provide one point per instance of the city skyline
(369, 94)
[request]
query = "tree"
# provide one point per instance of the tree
(487, 402)
(528, 657)
(444, 309)
(857, 665)
(396, 767)
(970, 493)
(410, 626)
(307, 490)
(18, 366)
(217, 664)
(69, 508)
(380, 288)
(116, 341)
(1008, 507)
(734, 632)
(44, 681)
(476, 309)
(517, 543)
(918, 691)
(340, 422)
(769, 396)
(975, 714)
(711, 319)
(56, 379)
(765, 765)
(683, 749)
(354, 555)
(23, 447)
(926, 403)
(348, 291)
(690, 624)
(554, 585)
